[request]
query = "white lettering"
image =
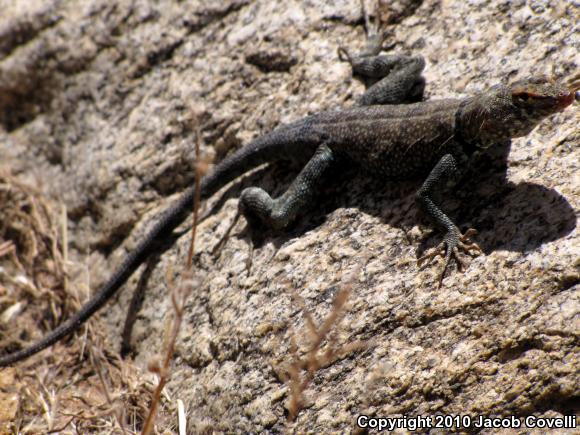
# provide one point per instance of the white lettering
(361, 421)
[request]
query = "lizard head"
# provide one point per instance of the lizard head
(514, 110)
(538, 98)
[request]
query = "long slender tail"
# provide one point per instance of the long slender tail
(276, 145)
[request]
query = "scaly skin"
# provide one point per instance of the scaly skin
(397, 142)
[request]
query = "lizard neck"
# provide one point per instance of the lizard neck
(481, 123)
(462, 131)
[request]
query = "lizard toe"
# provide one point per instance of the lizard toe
(466, 245)
(430, 255)
(449, 250)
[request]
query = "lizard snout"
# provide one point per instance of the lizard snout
(567, 97)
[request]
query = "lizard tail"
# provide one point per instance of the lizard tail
(276, 145)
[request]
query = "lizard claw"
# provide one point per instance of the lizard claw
(344, 55)
(449, 248)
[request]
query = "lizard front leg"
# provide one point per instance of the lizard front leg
(280, 212)
(445, 172)
(390, 79)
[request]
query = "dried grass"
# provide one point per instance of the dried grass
(321, 350)
(79, 386)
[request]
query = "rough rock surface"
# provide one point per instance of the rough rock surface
(101, 100)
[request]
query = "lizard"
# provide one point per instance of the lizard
(389, 133)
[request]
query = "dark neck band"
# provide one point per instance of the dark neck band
(469, 147)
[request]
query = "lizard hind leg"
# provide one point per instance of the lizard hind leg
(280, 212)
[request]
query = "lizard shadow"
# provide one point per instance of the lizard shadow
(139, 292)
(511, 216)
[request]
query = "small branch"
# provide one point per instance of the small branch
(179, 295)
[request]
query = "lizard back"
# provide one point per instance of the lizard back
(407, 142)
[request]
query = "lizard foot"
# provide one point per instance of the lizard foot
(449, 248)
(217, 250)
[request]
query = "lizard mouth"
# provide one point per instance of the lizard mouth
(566, 98)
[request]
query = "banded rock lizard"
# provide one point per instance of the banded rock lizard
(380, 135)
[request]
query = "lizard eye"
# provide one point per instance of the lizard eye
(524, 96)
